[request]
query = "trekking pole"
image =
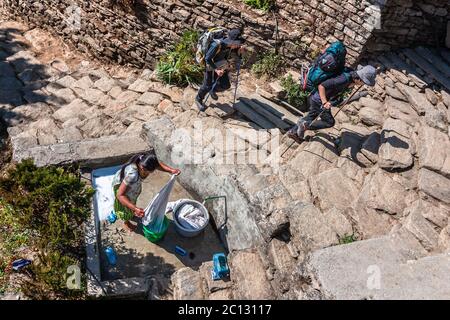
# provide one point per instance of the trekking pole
(212, 89)
(348, 99)
(318, 116)
(237, 82)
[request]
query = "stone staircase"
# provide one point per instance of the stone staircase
(427, 66)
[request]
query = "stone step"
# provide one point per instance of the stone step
(385, 62)
(279, 103)
(393, 70)
(425, 279)
(253, 116)
(382, 268)
(428, 67)
(405, 67)
(434, 59)
(444, 53)
(418, 100)
(279, 110)
(278, 122)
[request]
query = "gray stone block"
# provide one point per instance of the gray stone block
(101, 152)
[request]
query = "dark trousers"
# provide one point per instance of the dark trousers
(208, 81)
(326, 119)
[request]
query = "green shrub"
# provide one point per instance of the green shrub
(294, 93)
(50, 200)
(12, 237)
(347, 239)
(48, 277)
(264, 5)
(270, 64)
(43, 209)
(178, 66)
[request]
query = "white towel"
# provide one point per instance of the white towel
(191, 217)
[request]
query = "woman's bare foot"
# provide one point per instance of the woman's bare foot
(129, 226)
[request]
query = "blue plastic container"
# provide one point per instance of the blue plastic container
(20, 263)
(180, 251)
(111, 255)
(112, 217)
(220, 266)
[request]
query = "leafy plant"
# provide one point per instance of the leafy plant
(51, 200)
(345, 94)
(43, 211)
(12, 238)
(48, 277)
(294, 93)
(270, 64)
(347, 239)
(264, 5)
(178, 66)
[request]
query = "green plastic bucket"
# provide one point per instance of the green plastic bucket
(153, 236)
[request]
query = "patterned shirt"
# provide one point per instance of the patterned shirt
(132, 180)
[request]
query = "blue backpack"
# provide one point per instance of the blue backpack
(329, 64)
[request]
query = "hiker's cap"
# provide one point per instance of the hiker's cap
(367, 74)
(234, 38)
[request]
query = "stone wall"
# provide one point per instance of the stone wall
(410, 22)
(139, 32)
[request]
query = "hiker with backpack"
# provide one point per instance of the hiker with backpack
(326, 96)
(325, 81)
(215, 50)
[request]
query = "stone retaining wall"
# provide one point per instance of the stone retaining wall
(139, 31)
(411, 22)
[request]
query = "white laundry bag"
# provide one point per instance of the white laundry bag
(155, 212)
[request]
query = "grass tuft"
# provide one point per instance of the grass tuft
(178, 66)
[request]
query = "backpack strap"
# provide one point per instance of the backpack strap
(219, 48)
(347, 75)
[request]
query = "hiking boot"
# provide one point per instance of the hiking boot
(301, 129)
(292, 133)
(337, 142)
(214, 96)
(201, 107)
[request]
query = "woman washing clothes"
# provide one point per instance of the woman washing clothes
(127, 184)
